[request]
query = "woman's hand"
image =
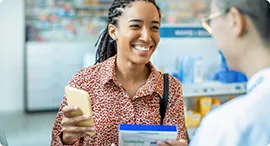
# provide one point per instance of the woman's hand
(180, 142)
(71, 132)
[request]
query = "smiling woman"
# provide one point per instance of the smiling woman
(128, 26)
(123, 85)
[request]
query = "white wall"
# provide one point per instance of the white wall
(11, 55)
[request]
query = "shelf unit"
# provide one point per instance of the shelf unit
(80, 15)
(213, 89)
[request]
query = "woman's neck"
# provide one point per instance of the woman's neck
(130, 72)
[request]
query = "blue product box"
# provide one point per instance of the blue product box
(145, 135)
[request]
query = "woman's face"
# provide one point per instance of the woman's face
(137, 32)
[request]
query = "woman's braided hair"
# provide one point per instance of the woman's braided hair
(106, 45)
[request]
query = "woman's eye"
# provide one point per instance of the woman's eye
(135, 26)
(155, 27)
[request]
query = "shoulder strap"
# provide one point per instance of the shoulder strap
(164, 100)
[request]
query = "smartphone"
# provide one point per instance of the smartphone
(80, 98)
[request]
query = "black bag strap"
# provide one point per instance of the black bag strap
(164, 101)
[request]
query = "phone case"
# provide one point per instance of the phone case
(80, 98)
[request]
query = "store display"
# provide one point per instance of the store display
(191, 71)
(83, 20)
(199, 109)
(65, 20)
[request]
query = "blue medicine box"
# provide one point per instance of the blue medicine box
(145, 135)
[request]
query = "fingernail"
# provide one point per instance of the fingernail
(92, 129)
(86, 116)
(75, 107)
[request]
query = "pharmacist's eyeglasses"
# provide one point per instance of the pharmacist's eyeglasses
(206, 21)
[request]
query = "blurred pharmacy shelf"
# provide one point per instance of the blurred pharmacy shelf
(83, 20)
(213, 89)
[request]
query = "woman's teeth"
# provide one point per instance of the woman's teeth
(142, 48)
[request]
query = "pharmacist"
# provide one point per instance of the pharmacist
(241, 29)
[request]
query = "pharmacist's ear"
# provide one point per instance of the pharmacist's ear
(112, 31)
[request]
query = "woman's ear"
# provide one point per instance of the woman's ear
(112, 31)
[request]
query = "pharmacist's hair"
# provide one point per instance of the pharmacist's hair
(106, 46)
(257, 10)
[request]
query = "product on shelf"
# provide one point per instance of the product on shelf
(216, 103)
(190, 69)
(188, 118)
(193, 119)
(205, 105)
